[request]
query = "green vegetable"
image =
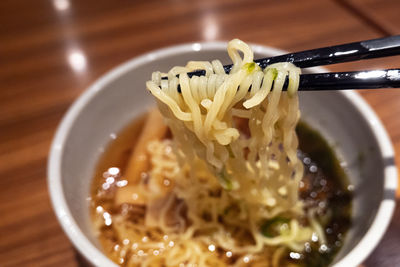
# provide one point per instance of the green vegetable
(275, 227)
(250, 67)
(274, 73)
(225, 180)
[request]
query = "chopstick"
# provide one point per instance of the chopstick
(374, 79)
(375, 48)
(369, 79)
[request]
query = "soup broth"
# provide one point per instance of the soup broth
(324, 189)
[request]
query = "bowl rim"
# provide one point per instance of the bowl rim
(94, 255)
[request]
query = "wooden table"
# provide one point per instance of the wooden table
(50, 51)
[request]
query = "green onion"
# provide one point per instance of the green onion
(250, 67)
(224, 180)
(274, 73)
(275, 227)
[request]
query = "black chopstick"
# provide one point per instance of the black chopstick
(372, 79)
(375, 48)
(369, 79)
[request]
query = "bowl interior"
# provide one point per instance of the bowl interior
(117, 99)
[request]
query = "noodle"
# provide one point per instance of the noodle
(272, 120)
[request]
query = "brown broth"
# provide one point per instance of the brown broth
(324, 187)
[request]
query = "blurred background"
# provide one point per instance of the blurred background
(51, 50)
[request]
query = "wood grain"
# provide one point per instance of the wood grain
(382, 15)
(38, 83)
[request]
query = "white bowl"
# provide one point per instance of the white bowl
(114, 100)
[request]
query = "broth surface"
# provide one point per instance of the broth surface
(324, 188)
